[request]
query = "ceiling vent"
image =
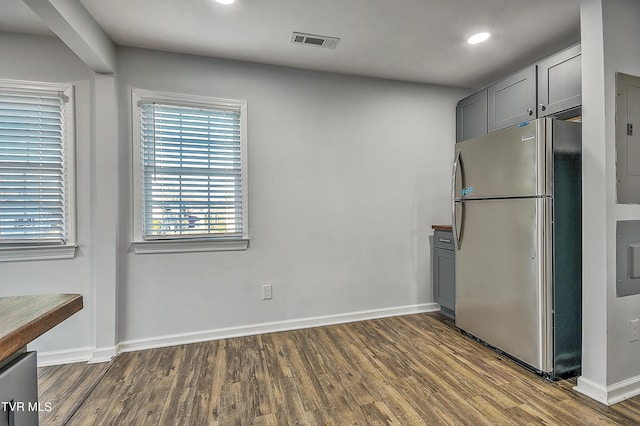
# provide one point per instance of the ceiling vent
(314, 40)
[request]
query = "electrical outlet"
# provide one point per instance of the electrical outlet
(635, 330)
(266, 292)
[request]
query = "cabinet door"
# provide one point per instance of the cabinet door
(471, 116)
(19, 390)
(444, 279)
(512, 100)
(560, 82)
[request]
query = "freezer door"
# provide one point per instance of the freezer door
(503, 277)
(509, 163)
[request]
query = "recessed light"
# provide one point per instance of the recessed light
(225, 1)
(478, 38)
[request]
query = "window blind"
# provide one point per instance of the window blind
(32, 168)
(191, 172)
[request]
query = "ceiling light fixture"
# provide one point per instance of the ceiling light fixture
(478, 38)
(225, 1)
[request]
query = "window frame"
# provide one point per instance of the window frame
(48, 251)
(174, 244)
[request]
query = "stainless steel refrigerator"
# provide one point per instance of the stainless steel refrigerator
(516, 198)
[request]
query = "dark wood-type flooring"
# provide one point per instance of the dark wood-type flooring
(408, 370)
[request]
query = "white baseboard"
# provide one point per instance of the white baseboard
(623, 390)
(88, 355)
(68, 356)
(591, 389)
(612, 394)
(103, 355)
(271, 327)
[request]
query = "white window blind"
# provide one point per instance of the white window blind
(191, 171)
(33, 170)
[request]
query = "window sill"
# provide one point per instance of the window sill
(193, 246)
(16, 254)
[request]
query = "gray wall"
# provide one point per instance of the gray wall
(47, 59)
(346, 175)
(610, 36)
(621, 36)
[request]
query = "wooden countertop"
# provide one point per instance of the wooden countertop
(441, 227)
(23, 318)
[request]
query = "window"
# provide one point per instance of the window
(190, 173)
(36, 171)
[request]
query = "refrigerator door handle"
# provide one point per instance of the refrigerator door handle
(454, 175)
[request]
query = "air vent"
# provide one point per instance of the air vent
(315, 40)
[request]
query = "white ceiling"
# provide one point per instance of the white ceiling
(413, 40)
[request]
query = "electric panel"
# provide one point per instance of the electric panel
(627, 257)
(627, 138)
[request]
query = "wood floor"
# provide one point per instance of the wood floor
(409, 370)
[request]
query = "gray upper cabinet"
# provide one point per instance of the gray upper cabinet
(512, 100)
(553, 86)
(559, 82)
(471, 116)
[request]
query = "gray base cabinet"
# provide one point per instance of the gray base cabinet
(444, 280)
(19, 392)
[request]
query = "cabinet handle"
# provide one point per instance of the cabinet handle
(529, 111)
(11, 418)
(443, 240)
(543, 107)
